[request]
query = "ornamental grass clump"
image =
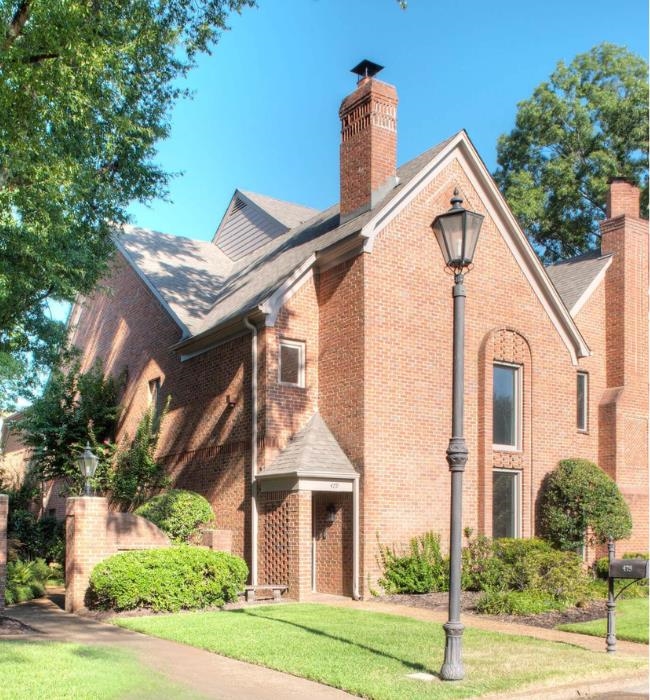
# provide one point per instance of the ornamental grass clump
(177, 578)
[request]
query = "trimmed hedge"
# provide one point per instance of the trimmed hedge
(177, 513)
(177, 578)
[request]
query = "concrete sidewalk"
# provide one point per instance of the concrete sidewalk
(215, 676)
(203, 672)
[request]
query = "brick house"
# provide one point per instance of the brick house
(308, 359)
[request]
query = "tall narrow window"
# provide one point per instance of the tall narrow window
(505, 503)
(154, 394)
(583, 401)
(506, 406)
(292, 363)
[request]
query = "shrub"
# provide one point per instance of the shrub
(36, 539)
(601, 568)
(516, 603)
(178, 578)
(481, 571)
(421, 570)
(178, 513)
(26, 580)
(578, 497)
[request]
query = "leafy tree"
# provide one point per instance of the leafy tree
(578, 500)
(587, 124)
(75, 408)
(86, 92)
(133, 475)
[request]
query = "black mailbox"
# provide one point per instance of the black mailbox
(628, 568)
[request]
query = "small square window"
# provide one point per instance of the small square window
(292, 363)
(582, 419)
(506, 406)
(505, 503)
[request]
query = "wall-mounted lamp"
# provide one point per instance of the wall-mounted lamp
(231, 401)
(330, 514)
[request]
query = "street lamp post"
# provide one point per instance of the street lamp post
(87, 463)
(457, 233)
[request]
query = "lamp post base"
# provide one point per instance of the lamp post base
(452, 668)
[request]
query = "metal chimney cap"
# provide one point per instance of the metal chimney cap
(366, 69)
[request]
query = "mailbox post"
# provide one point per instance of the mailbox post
(634, 569)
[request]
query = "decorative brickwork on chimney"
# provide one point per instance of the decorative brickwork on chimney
(368, 144)
(623, 198)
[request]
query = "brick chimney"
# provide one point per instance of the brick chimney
(623, 198)
(368, 142)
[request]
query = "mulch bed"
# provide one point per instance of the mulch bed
(593, 610)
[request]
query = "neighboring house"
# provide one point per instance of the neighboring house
(308, 359)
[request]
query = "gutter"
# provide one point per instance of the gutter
(254, 412)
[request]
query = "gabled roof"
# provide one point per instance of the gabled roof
(252, 220)
(313, 451)
(576, 279)
(210, 299)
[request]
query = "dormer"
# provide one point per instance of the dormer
(253, 220)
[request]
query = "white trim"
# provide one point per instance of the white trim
(460, 148)
(151, 287)
(518, 492)
(319, 481)
(272, 305)
(296, 345)
(519, 406)
(584, 297)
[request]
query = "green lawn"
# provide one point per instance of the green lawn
(631, 622)
(54, 671)
(370, 654)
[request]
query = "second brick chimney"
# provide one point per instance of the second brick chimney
(368, 141)
(623, 198)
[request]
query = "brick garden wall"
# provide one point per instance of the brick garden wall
(4, 512)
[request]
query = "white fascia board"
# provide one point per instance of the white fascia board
(591, 288)
(272, 305)
(151, 287)
(461, 148)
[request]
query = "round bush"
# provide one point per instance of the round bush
(579, 497)
(178, 513)
(177, 578)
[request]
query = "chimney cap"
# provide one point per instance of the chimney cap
(366, 69)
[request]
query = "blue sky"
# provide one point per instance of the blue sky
(265, 111)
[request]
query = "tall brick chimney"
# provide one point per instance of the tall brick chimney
(368, 142)
(623, 198)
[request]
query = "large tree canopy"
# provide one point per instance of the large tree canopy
(587, 124)
(86, 89)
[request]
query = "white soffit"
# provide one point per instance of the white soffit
(461, 149)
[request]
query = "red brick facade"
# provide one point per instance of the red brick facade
(376, 328)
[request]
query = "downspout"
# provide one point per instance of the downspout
(355, 540)
(254, 411)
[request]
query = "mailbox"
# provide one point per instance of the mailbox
(628, 568)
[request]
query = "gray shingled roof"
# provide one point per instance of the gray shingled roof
(205, 289)
(573, 277)
(286, 213)
(313, 450)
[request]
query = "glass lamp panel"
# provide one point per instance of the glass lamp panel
(452, 225)
(473, 224)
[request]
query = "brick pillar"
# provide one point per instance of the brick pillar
(86, 545)
(4, 512)
(304, 545)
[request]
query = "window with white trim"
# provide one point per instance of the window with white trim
(291, 363)
(506, 406)
(582, 399)
(506, 497)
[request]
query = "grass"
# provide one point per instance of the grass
(54, 671)
(370, 654)
(631, 622)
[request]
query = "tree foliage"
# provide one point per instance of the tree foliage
(578, 501)
(76, 408)
(586, 124)
(86, 93)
